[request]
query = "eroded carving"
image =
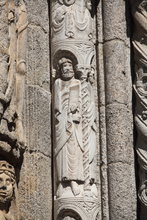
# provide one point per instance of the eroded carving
(139, 11)
(13, 22)
(89, 127)
(72, 18)
(7, 184)
(21, 25)
(13, 40)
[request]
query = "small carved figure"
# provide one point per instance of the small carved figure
(7, 182)
(72, 18)
(87, 77)
(92, 124)
(68, 129)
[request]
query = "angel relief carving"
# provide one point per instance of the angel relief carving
(68, 130)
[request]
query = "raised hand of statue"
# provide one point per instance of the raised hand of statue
(73, 108)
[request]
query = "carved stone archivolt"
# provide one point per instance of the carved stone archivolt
(139, 11)
(75, 128)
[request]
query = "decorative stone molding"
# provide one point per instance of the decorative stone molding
(140, 55)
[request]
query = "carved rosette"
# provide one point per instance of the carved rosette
(139, 11)
(73, 64)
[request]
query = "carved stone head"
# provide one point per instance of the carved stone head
(91, 75)
(89, 5)
(7, 181)
(66, 68)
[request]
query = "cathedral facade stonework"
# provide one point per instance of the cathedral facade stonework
(73, 110)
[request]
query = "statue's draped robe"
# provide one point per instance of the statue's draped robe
(91, 117)
(68, 130)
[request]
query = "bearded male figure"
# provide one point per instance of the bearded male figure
(7, 181)
(68, 129)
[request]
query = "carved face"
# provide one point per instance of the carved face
(6, 188)
(67, 71)
(92, 75)
(88, 4)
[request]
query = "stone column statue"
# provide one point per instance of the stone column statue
(68, 129)
(7, 183)
(89, 127)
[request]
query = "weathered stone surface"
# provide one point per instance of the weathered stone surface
(34, 193)
(115, 16)
(35, 184)
(118, 77)
(121, 191)
(120, 129)
(38, 57)
(37, 120)
(119, 118)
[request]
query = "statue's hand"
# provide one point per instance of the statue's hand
(76, 118)
(73, 108)
(60, 15)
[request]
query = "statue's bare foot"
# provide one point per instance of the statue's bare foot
(75, 188)
(59, 191)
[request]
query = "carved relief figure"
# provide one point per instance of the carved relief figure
(4, 54)
(22, 24)
(87, 77)
(13, 42)
(139, 11)
(68, 129)
(7, 183)
(71, 18)
(92, 124)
